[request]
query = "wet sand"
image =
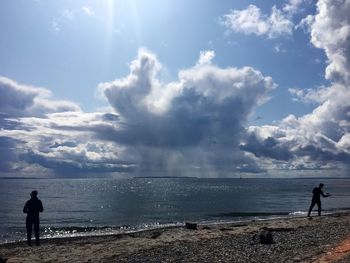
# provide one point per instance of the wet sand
(322, 239)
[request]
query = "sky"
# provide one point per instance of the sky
(174, 88)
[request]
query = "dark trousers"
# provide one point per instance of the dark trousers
(313, 203)
(29, 225)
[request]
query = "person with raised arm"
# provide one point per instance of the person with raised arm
(316, 199)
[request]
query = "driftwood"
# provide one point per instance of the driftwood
(191, 226)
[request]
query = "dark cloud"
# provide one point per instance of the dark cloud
(196, 121)
(41, 135)
(268, 147)
(15, 99)
(8, 153)
(189, 126)
(205, 103)
(18, 100)
(319, 149)
(71, 165)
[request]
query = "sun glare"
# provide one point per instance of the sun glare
(121, 14)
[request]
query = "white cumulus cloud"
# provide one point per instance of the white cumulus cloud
(206, 57)
(293, 6)
(330, 31)
(320, 139)
(194, 121)
(252, 21)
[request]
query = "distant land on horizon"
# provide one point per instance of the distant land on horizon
(164, 177)
(171, 177)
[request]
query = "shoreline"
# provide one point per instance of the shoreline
(125, 230)
(296, 239)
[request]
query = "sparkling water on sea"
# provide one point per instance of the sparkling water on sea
(74, 207)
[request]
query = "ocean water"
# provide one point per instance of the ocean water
(75, 207)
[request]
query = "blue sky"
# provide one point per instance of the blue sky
(59, 46)
(79, 58)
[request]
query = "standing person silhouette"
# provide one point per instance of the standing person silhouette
(32, 208)
(316, 199)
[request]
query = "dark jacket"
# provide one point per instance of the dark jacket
(32, 208)
(317, 192)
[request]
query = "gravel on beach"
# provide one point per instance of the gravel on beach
(299, 244)
(322, 239)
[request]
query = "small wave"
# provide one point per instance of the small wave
(82, 229)
(250, 214)
(76, 231)
(338, 210)
(72, 231)
(298, 213)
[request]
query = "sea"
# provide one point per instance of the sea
(86, 207)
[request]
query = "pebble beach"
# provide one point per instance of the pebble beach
(320, 239)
